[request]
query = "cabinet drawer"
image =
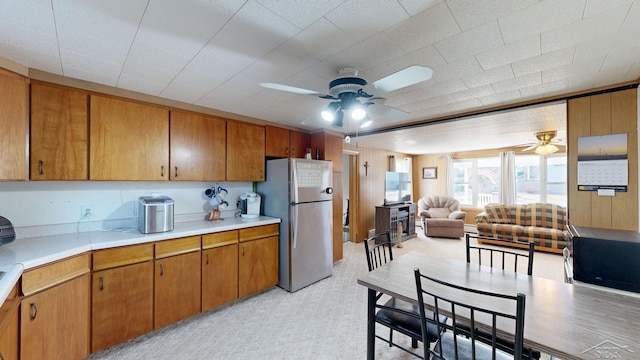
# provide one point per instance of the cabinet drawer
(219, 239)
(50, 275)
(126, 255)
(258, 232)
(178, 246)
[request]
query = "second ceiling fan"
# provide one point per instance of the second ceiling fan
(348, 93)
(546, 143)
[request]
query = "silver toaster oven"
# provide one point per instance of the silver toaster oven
(155, 214)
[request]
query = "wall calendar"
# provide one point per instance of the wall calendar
(603, 163)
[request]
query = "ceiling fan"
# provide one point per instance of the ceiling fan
(348, 92)
(546, 143)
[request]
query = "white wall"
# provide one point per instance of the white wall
(36, 203)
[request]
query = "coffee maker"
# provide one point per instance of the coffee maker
(249, 205)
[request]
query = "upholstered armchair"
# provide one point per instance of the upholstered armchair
(441, 216)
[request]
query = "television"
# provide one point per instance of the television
(397, 188)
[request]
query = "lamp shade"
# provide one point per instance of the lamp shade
(546, 149)
(337, 123)
(327, 115)
(358, 113)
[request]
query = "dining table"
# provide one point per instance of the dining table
(568, 321)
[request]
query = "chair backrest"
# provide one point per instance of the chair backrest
(468, 309)
(378, 249)
(500, 258)
(568, 268)
(446, 204)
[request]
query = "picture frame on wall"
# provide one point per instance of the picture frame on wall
(430, 172)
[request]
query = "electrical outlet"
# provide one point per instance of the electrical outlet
(372, 232)
(87, 211)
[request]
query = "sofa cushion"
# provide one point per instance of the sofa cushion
(521, 214)
(547, 215)
(462, 215)
(439, 212)
(500, 231)
(498, 213)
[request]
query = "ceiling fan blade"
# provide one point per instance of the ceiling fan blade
(388, 113)
(531, 147)
(288, 88)
(403, 78)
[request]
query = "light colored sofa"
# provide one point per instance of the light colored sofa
(441, 216)
(543, 224)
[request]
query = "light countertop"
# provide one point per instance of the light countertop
(27, 253)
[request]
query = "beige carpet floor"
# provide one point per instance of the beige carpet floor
(326, 320)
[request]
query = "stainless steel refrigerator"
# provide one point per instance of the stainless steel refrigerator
(299, 192)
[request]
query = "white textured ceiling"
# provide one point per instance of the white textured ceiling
(215, 53)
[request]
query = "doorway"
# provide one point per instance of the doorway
(350, 195)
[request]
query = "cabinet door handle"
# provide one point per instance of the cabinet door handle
(34, 311)
(207, 259)
(242, 250)
(162, 171)
(176, 175)
(161, 269)
(101, 286)
(287, 150)
(40, 167)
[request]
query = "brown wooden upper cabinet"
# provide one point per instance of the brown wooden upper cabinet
(245, 151)
(198, 147)
(284, 143)
(330, 148)
(128, 140)
(14, 116)
(59, 133)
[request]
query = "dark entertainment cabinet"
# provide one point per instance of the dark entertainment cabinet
(606, 257)
(389, 216)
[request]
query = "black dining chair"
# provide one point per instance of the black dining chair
(398, 315)
(469, 307)
(504, 259)
(568, 268)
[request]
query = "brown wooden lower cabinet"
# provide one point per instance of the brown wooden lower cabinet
(219, 276)
(9, 326)
(177, 283)
(121, 304)
(67, 312)
(54, 323)
(258, 265)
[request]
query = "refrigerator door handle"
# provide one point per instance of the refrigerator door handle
(294, 225)
(294, 181)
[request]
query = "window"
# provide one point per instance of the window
(541, 179)
(477, 181)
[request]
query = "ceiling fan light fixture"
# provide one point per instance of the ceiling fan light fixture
(329, 114)
(358, 113)
(337, 123)
(546, 149)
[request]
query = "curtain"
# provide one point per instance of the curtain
(450, 176)
(508, 177)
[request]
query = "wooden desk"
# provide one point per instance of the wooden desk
(571, 322)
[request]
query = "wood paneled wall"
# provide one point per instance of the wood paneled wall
(603, 114)
(371, 185)
(428, 187)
